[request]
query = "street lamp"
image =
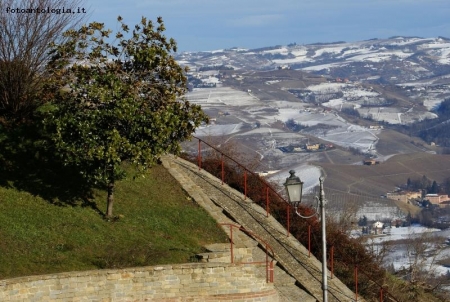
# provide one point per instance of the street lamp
(294, 187)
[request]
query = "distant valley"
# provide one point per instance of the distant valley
(282, 107)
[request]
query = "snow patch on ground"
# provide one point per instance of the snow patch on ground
(308, 174)
(398, 254)
(217, 130)
(337, 130)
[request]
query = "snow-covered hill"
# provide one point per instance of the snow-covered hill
(394, 60)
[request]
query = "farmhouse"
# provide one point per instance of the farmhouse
(312, 147)
(377, 228)
(437, 198)
(370, 162)
(284, 67)
(404, 196)
(376, 127)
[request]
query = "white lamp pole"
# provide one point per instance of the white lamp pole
(294, 187)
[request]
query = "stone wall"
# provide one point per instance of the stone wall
(174, 283)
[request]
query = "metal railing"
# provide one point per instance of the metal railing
(269, 189)
(266, 247)
(267, 186)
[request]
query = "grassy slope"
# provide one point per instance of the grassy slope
(158, 225)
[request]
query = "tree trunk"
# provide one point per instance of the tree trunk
(110, 199)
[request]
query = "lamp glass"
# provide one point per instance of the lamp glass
(294, 187)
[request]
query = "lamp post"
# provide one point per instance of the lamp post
(294, 187)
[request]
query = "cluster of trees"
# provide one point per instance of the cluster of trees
(377, 102)
(292, 125)
(88, 104)
(324, 96)
(350, 111)
(428, 186)
(317, 97)
(432, 130)
(277, 56)
(215, 67)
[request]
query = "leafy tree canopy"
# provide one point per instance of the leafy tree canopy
(117, 102)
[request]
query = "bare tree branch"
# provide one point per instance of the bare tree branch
(26, 33)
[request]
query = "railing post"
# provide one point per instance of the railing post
(356, 283)
(231, 244)
(267, 201)
(245, 184)
(332, 261)
(288, 219)
(309, 241)
(271, 271)
(381, 294)
(267, 265)
(221, 159)
(199, 155)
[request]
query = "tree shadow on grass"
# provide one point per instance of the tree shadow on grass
(26, 167)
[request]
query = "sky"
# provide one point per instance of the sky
(203, 25)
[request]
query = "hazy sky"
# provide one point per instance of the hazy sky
(215, 24)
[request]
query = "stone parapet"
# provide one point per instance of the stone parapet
(174, 283)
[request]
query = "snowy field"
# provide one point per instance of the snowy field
(217, 130)
(375, 211)
(369, 103)
(308, 174)
(221, 96)
(398, 254)
(250, 109)
(342, 133)
(390, 115)
(359, 52)
(432, 103)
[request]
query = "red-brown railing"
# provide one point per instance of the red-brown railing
(267, 247)
(267, 190)
(383, 293)
(268, 187)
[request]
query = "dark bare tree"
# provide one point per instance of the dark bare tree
(27, 27)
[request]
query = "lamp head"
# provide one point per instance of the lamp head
(294, 188)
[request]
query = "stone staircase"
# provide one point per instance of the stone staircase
(296, 276)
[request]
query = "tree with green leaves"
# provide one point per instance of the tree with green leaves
(117, 102)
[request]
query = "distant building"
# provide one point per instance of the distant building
(377, 227)
(370, 162)
(404, 196)
(437, 198)
(397, 196)
(283, 67)
(339, 80)
(312, 147)
(376, 127)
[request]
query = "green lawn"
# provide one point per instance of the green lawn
(157, 224)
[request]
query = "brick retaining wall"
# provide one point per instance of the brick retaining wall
(174, 283)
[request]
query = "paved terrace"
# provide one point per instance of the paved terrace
(298, 277)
